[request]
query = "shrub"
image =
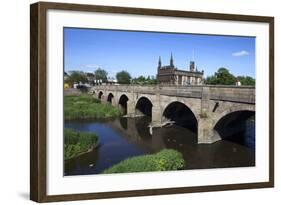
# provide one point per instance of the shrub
(76, 142)
(167, 159)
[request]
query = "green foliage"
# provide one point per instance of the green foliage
(101, 75)
(224, 77)
(87, 107)
(246, 80)
(76, 142)
(167, 159)
(76, 77)
(141, 80)
(123, 77)
(211, 80)
(221, 77)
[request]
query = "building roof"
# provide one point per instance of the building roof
(190, 72)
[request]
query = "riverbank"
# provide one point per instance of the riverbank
(123, 138)
(77, 143)
(87, 107)
(165, 160)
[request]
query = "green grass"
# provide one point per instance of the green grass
(77, 142)
(167, 159)
(87, 107)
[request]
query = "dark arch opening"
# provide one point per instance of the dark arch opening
(109, 98)
(123, 104)
(144, 107)
(239, 127)
(181, 115)
(100, 94)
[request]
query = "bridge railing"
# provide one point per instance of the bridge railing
(245, 94)
(233, 94)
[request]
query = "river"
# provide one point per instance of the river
(126, 137)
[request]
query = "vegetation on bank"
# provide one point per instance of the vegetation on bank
(77, 142)
(87, 107)
(167, 159)
(224, 77)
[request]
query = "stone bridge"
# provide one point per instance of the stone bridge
(208, 104)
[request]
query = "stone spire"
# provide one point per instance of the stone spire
(171, 60)
(159, 62)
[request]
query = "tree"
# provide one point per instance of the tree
(76, 77)
(212, 80)
(246, 80)
(150, 80)
(139, 80)
(221, 77)
(101, 75)
(224, 77)
(123, 77)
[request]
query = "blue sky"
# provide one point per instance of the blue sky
(138, 52)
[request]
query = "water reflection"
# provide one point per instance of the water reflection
(125, 137)
(124, 122)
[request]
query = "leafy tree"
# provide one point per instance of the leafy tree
(76, 77)
(150, 80)
(212, 80)
(246, 80)
(221, 77)
(123, 77)
(101, 75)
(224, 77)
(139, 80)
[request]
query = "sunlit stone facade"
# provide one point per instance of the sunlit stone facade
(170, 74)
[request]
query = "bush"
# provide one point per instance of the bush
(167, 159)
(76, 142)
(87, 107)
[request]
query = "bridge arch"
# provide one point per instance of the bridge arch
(181, 114)
(144, 106)
(100, 95)
(123, 103)
(234, 108)
(110, 98)
(232, 125)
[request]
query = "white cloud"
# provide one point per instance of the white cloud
(240, 53)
